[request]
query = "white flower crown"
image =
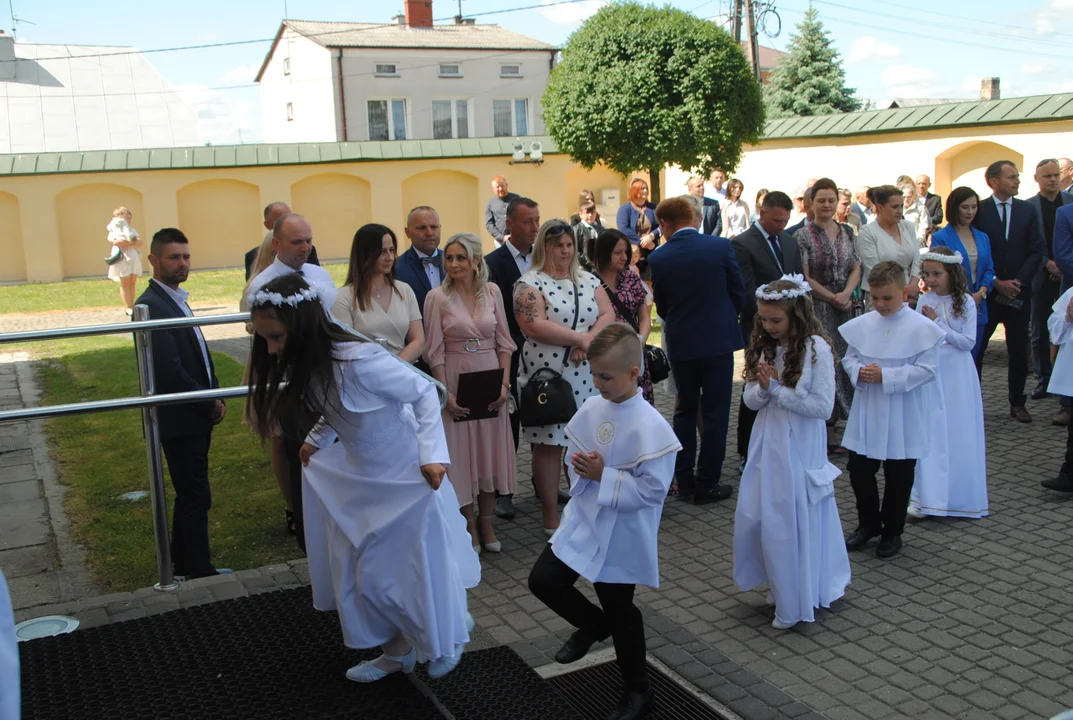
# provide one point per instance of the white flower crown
(802, 288)
(954, 259)
(274, 298)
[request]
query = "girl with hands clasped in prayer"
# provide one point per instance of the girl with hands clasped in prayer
(786, 527)
(952, 479)
(388, 549)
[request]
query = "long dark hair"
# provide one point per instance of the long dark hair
(959, 285)
(953, 203)
(305, 360)
(603, 246)
(364, 255)
(803, 326)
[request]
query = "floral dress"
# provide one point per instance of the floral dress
(632, 292)
(830, 261)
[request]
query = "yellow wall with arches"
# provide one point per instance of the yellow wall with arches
(13, 268)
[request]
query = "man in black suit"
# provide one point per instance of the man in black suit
(181, 362)
(273, 212)
(933, 204)
(506, 264)
(1018, 250)
(713, 217)
(764, 255)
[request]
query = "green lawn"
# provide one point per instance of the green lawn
(101, 456)
(205, 287)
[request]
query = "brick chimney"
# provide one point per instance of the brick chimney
(989, 89)
(419, 13)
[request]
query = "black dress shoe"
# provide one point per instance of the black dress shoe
(715, 494)
(1041, 391)
(505, 507)
(1062, 483)
(859, 538)
(889, 546)
(633, 705)
(686, 484)
(576, 647)
(564, 497)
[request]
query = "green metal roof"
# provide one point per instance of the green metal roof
(1037, 108)
(258, 155)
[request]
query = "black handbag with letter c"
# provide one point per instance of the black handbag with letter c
(547, 398)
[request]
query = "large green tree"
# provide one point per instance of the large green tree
(640, 87)
(810, 80)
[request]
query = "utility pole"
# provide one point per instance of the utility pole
(754, 46)
(735, 18)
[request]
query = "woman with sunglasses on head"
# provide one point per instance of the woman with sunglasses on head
(559, 308)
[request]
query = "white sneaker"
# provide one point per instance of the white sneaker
(914, 512)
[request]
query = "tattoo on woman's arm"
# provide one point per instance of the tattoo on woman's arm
(525, 304)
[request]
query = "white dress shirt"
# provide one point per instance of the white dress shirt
(522, 261)
(180, 297)
(431, 271)
(318, 278)
(1008, 202)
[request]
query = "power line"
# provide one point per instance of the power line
(233, 43)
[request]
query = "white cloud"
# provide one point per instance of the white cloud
(1052, 17)
(1042, 67)
(867, 48)
(225, 117)
(571, 13)
(241, 75)
(913, 81)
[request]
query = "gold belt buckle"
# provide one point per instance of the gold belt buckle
(476, 345)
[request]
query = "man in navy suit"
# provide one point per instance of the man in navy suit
(699, 292)
(1019, 251)
(713, 218)
(181, 362)
(421, 267)
(506, 264)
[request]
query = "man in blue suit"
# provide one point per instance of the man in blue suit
(181, 363)
(713, 217)
(421, 267)
(699, 292)
(1019, 251)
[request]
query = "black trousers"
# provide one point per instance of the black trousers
(1042, 302)
(294, 431)
(889, 520)
(1015, 322)
(705, 383)
(188, 465)
(552, 582)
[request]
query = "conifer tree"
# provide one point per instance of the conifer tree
(810, 80)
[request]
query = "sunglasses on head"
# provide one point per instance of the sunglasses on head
(557, 230)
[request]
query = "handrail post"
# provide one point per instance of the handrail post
(147, 384)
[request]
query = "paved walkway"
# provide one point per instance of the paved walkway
(970, 621)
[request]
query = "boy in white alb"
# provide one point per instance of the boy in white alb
(1060, 326)
(622, 456)
(893, 355)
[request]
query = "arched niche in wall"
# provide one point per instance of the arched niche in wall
(965, 163)
(336, 205)
(222, 219)
(82, 215)
(13, 269)
(454, 196)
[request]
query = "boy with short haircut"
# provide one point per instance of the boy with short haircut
(622, 456)
(893, 356)
(585, 230)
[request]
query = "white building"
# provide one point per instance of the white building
(59, 98)
(328, 81)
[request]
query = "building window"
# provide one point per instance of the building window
(510, 70)
(386, 70)
(387, 119)
(510, 117)
(450, 119)
(286, 66)
(451, 71)
(290, 112)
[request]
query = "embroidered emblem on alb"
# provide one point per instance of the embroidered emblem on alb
(605, 433)
(888, 334)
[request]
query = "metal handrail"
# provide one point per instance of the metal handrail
(141, 327)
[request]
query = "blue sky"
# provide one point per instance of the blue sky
(938, 50)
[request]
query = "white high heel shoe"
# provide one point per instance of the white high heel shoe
(366, 672)
(492, 547)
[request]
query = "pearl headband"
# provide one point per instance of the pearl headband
(954, 259)
(802, 288)
(274, 298)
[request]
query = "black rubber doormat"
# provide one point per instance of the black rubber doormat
(594, 692)
(266, 656)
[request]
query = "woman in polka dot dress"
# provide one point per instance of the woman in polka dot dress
(544, 306)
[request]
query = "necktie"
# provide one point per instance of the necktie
(776, 247)
(436, 260)
(1005, 231)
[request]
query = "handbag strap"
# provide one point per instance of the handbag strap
(577, 312)
(617, 302)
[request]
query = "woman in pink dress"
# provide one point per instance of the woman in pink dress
(466, 330)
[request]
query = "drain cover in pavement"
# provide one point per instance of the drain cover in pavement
(594, 692)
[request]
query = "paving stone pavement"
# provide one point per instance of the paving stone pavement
(969, 621)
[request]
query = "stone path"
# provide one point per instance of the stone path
(970, 621)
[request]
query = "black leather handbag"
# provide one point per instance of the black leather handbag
(656, 362)
(547, 398)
